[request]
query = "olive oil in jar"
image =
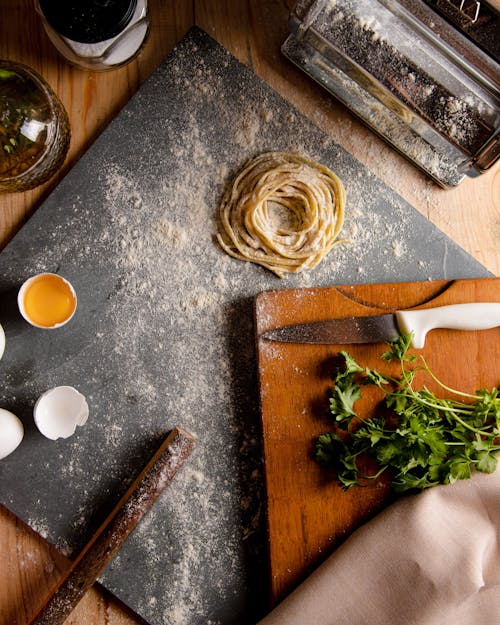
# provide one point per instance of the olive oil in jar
(34, 129)
(23, 130)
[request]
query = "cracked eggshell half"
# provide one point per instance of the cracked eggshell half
(11, 432)
(59, 410)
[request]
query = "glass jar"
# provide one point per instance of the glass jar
(34, 129)
(93, 34)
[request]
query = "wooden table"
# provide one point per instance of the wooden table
(253, 32)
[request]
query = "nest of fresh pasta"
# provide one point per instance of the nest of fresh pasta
(282, 211)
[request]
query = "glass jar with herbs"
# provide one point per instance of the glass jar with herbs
(34, 129)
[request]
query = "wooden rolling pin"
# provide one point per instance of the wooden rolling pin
(113, 532)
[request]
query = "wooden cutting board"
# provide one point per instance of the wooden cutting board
(309, 515)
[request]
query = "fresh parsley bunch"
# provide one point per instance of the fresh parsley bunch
(419, 439)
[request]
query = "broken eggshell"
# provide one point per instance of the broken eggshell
(59, 410)
(11, 432)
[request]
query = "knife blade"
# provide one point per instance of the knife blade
(387, 327)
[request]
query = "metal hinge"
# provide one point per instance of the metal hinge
(468, 9)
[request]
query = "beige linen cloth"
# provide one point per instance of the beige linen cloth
(428, 559)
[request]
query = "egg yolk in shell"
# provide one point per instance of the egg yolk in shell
(49, 300)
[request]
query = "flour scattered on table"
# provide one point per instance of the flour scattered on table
(169, 335)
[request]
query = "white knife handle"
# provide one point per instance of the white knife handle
(453, 317)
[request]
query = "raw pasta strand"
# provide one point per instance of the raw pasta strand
(283, 212)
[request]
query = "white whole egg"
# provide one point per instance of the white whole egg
(2, 341)
(11, 432)
(59, 410)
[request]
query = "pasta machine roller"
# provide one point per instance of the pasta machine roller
(423, 74)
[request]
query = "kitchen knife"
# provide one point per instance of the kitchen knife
(380, 328)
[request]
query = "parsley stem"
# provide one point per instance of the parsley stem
(376, 475)
(453, 411)
(443, 386)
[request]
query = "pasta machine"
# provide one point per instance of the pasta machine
(422, 74)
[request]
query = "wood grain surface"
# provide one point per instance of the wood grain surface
(308, 513)
(253, 32)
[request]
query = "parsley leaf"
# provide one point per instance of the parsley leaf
(342, 400)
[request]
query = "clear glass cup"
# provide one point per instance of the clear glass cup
(34, 129)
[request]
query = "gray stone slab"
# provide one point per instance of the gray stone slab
(163, 334)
